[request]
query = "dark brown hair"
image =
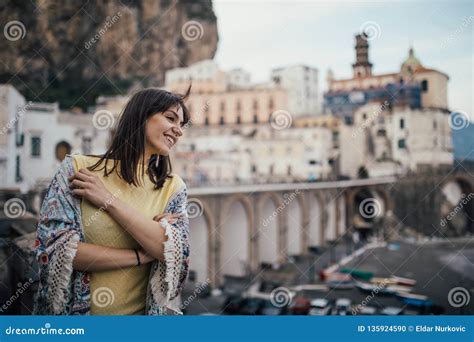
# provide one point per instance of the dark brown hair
(128, 140)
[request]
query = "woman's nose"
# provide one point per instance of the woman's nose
(177, 131)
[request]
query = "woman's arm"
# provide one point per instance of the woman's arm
(93, 258)
(147, 232)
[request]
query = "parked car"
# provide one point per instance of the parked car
(392, 311)
(320, 307)
(268, 309)
(300, 306)
(251, 306)
(342, 307)
(232, 305)
(367, 310)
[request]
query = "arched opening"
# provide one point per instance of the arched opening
(62, 149)
(316, 219)
(295, 228)
(368, 208)
(268, 232)
(457, 207)
(199, 241)
(234, 249)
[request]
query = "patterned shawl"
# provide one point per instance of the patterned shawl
(65, 291)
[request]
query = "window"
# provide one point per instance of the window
(424, 86)
(402, 123)
(401, 143)
(221, 121)
(86, 145)
(18, 176)
(270, 104)
(255, 105)
(238, 106)
(288, 170)
(36, 146)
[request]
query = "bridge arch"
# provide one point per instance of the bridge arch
(271, 215)
(235, 252)
(201, 240)
(296, 223)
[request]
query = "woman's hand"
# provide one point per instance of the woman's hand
(145, 258)
(171, 218)
(88, 185)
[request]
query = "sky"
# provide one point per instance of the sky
(260, 35)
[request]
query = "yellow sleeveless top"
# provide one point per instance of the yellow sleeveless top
(121, 291)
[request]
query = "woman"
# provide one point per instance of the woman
(112, 238)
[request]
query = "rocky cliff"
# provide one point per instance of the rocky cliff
(72, 51)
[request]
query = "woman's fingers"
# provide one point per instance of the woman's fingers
(169, 216)
(77, 184)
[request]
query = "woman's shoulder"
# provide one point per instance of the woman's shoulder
(175, 182)
(80, 160)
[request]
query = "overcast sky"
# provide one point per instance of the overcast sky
(260, 35)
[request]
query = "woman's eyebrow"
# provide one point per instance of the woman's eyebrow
(177, 116)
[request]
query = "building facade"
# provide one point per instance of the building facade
(414, 86)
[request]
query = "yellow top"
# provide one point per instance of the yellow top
(121, 291)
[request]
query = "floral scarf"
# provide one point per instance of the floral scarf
(65, 291)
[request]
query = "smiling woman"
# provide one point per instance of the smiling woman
(113, 230)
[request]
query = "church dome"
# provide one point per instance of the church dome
(411, 64)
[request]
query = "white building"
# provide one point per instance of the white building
(252, 154)
(40, 138)
(12, 109)
(385, 141)
(301, 83)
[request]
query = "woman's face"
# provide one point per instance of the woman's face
(163, 130)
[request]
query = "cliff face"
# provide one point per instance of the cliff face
(72, 51)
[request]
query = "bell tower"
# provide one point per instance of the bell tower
(362, 67)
